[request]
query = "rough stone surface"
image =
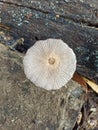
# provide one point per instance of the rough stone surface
(23, 106)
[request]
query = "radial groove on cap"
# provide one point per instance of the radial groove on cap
(54, 74)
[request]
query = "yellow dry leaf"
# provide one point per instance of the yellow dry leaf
(93, 85)
(4, 27)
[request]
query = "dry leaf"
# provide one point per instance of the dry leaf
(79, 118)
(78, 78)
(93, 85)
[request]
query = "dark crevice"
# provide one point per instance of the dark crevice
(80, 21)
(36, 38)
(20, 5)
(93, 25)
(62, 102)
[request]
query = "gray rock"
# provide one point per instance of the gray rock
(23, 106)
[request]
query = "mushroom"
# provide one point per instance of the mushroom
(49, 64)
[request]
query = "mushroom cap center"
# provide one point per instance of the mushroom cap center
(51, 60)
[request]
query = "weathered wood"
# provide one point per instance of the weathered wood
(74, 22)
(80, 11)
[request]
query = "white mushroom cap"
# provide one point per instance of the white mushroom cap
(49, 64)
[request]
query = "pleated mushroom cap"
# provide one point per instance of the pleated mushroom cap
(49, 64)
